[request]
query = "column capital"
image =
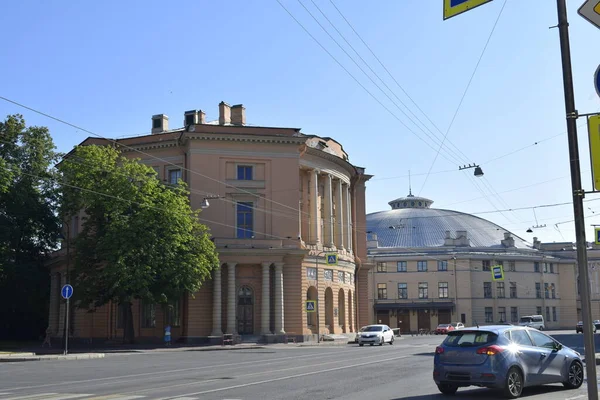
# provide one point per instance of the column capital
(231, 264)
(279, 265)
(266, 264)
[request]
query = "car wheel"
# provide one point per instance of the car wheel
(382, 341)
(447, 388)
(575, 377)
(361, 344)
(513, 385)
(392, 341)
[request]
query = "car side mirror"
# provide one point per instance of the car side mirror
(558, 347)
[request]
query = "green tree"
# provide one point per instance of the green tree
(140, 239)
(29, 226)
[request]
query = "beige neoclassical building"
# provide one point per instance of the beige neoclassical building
(277, 201)
(434, 266)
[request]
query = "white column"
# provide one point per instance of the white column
(328, 236)
(217, 329)
(231, 298)
(265, 309)
(339, 216)
(314, 207)
(279, 298)
(348, 217)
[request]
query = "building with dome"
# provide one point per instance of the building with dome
(434, 266)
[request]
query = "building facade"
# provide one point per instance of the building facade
(434, 266)
(277, 202)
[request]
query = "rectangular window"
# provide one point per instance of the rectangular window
(148, 316)
(512, 266)
(422, 266)
(442, 265)
(554, 314)
(174, 176)
(487, 290)
(486, 265)
(489, 314)
(553, 289)
(536, 267)
(545, 268)
(513, 290)
(538, 310)
(514, 314)
(244, 172)
(381, 267)
(546, 291)
(551, 268)
(538, 290)
(173, 314)
(401, 266)
(341, 276)
(311, 273)
(548, 314)
(245, 220)
(443, 290)
(423, 290)
(502, 314)
(328, 275)
(500, 290)
(402, 291)
(382, 291)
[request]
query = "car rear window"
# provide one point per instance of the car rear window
(443, 325)
(469, 338)
(373, 328)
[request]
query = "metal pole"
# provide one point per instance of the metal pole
(67, 324)
(571, 115)
(67, 280)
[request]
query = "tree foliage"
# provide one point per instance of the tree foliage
(140, 239)
(29, 226)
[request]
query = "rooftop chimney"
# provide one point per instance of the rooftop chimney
(190, 118)
(238, 115)
(201, 117)
(160, 123)
(224, 113)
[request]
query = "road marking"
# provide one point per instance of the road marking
(48, 396)
(581, 396)
(289, 377)
(173, 371)
(115, 397)
(188, 398)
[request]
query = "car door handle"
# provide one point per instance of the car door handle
(543, 355)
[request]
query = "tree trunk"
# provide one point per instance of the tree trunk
(128, 332)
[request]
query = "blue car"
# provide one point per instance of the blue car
(504, 357)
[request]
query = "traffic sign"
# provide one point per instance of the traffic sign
(332, 259)
(594, 136)
(454, 7)
(597, 236)
(311, 305)
(497, 273)
(597, 80)
(67, 291)
(590, 10)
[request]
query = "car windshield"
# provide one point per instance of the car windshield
(443, 325)
(526, 319)
(464, 338)
(454, 324)
(373, 328)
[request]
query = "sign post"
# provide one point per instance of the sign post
(67, 292)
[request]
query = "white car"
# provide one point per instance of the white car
(376, 334)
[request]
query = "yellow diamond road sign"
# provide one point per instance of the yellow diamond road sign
(594, 136)
(590, 10)
(454, 7)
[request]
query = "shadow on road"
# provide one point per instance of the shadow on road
(478, 393)
(429, 354)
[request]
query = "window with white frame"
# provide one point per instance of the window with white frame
(341, 276)
(328, 275)
(443, 290)
(311, 273)
(244, 220)
(423, 290)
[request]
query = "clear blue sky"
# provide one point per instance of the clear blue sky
(109, 66)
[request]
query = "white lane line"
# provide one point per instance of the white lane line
(188, 398)
(581, 396)
(289, 377)
(115, 397)
(173, 371)
(49, 396)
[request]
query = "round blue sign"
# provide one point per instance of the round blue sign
(597, 80)
(67, 291)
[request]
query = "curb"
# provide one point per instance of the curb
(69, 357)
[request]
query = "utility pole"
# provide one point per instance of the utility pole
(578, 194)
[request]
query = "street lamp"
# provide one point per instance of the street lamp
(478, 171)
(205, 203)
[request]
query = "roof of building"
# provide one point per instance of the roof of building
(411, 223)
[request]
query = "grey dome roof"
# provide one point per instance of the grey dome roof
(426, 227)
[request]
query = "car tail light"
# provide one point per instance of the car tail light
(439, 350)
(490, 350)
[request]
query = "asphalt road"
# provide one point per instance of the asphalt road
(400, 371)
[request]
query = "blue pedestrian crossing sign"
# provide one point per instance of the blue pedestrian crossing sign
(311, 305)
(497, 273)
(332, 259)
(597, 236)
(67, 291)
(454, 7)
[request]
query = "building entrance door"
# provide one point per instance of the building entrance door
(245, 311)
(423, 321)
(404, 321)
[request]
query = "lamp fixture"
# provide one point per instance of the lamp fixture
(478, 171)
(205, 203)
